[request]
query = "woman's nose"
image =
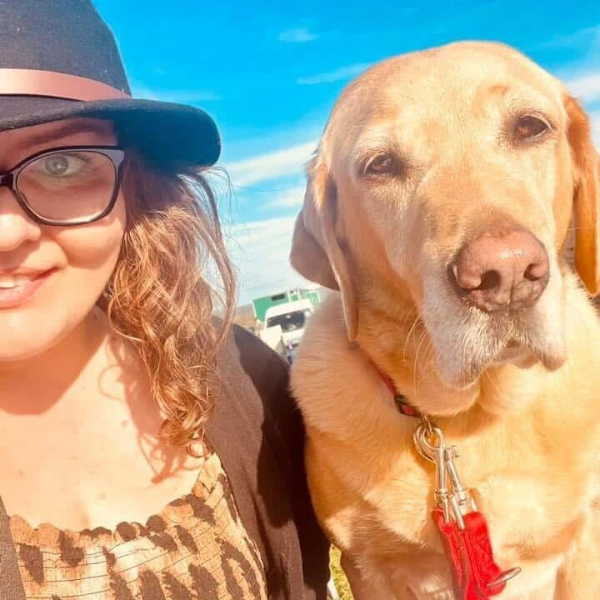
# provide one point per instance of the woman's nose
(16, 227)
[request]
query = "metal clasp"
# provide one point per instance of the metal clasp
(431, 445)
(461, 500)
(449, 494)
(504, 577)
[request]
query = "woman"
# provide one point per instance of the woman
(146, 451)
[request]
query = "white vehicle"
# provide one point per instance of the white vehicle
(284, 325)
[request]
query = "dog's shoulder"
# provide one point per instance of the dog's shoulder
(332, 379)
(323, 354)
(325, 332)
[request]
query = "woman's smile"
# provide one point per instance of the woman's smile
(18, 287)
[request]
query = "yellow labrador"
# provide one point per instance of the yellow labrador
(439, 203)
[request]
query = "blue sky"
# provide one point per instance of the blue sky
(270, 72)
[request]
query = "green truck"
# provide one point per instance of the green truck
(261, 305)
(283, 318)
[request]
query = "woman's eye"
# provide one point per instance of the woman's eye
(61, 165)
(382, 164)
(530, 128)
(57, 165)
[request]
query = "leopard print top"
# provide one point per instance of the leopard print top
(196, 549)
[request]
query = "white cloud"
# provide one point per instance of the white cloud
(290, 198)
(337, 75)
(260, 251)
(264, 167)
(578, 40)
(297, 36)
(586, 87)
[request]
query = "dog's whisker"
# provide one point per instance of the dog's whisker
(412, 329)
(408, 315)
(426, 368)
(492, 383)
(416, 365)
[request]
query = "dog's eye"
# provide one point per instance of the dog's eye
(530, 128)
(381, 164)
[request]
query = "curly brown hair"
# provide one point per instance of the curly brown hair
(160, 296)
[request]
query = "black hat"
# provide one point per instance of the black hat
(59, 60)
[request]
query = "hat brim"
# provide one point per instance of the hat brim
(166, 133)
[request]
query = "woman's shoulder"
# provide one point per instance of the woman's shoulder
(268, 370)
(257, 431)
(257, 359)
(254, 409)
(252, 374)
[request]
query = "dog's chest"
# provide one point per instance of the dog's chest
(530, 529)
(532, 519)
(526, 510)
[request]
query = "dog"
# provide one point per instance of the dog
(439, 204)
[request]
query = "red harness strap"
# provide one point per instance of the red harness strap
(469, 550)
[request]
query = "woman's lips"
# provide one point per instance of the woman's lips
(23, 287)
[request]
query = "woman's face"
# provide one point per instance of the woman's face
(51, 276)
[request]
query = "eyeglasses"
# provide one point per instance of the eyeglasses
(73, 185)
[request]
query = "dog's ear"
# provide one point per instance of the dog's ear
(316, 253)
(585, 196)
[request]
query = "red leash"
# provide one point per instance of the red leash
(469, 550)
(463, 529)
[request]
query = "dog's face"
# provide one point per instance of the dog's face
(446, 181)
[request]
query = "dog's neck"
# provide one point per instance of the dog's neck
(401, 349)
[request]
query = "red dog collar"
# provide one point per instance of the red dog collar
(402, 404)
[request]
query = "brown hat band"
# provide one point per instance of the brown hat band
(30, 82)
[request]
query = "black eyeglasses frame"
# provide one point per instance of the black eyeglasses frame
(9, 179)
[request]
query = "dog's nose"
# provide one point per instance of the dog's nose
(501, 269)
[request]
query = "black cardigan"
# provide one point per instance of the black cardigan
(258, 434)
